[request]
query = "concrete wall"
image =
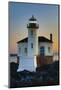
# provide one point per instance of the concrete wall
(27, 63)
(32, 39)
(21, 49)
(31, 51)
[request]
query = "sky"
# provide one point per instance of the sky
(19, 14)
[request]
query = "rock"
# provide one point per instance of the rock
(49, 75)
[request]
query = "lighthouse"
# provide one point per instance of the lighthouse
(28, 47)
(34, 51)
(32, 36)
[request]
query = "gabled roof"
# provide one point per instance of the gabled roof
(44, 39)
(40, 39)
(23, 40)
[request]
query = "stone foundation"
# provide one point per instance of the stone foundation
(27, 63)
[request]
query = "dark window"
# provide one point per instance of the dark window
(48, 49)
(26, 50)
(42, 50)
(31, 45)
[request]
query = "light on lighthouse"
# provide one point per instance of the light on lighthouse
(32, 23)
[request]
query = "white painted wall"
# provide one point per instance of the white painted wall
(35, 43)
(22, 47)
(32, 39)
(32, 51)
(46, 45)
(27, 63)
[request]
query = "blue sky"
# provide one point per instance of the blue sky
(19, 14)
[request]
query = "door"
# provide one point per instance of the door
(42, 51)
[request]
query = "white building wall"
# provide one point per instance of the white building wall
(27, 63)
(21, 49)
(31, 51)
(35, 43)
(46, 45)
(32, 39)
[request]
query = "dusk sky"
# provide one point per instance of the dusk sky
(19, 14)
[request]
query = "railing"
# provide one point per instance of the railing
(32, 25)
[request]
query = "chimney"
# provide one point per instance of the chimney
(51, 36)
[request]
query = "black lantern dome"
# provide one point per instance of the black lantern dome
(33, 23)
(32, 18)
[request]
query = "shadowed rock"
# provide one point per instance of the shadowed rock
(46, 75)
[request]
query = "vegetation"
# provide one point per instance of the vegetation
(46, 75)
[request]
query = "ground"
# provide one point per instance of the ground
(44, 76)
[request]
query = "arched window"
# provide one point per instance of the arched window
(42, 50)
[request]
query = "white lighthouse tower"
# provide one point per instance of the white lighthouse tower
(34, 51)
(32, 37)
(29, 48)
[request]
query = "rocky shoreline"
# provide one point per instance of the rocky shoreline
(44, 76)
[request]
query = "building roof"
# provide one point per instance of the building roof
(40, 39)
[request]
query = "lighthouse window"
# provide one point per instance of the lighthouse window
(25, 50)
(31, 45)
(42, 50)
